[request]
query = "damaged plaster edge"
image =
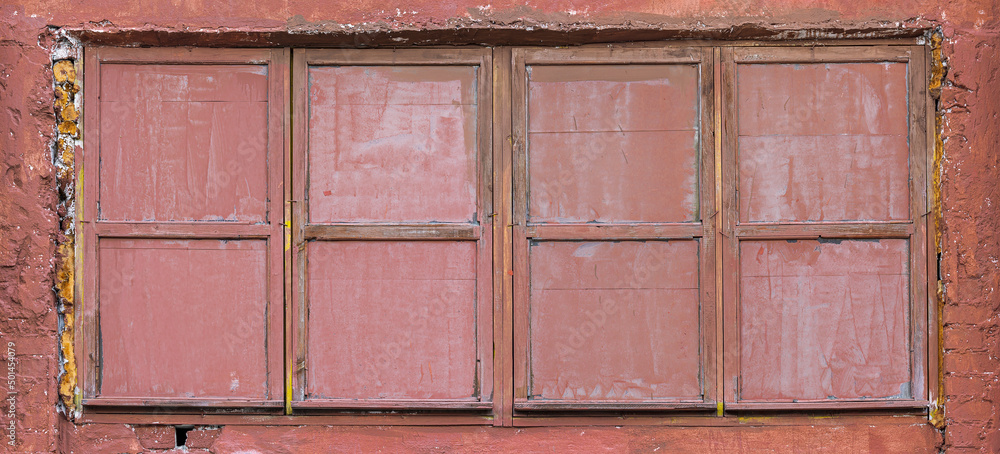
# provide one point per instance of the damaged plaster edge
(938, 72)
(66, 60)
(527, 27)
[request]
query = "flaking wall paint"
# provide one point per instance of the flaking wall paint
(31, 211)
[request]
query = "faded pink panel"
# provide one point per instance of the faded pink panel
(613, 143)
(614, 320)
(183, 143)
(823, 142)
(612, 98)
(607, 177)
(392, 144)
(824, 320)
(822, 99)
(824, 178)
(391, 320)
(183, 318)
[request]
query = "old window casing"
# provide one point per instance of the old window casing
(505, 232)
(181, 225)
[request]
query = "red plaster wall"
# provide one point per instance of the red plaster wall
(971, 102)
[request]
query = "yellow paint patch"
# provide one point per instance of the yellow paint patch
(68, 127)
(64, 71)
(69, 113)
(65, 283)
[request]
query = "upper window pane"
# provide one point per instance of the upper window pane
(613, 143)
(183, 143)
(392, 144)
(823, 142)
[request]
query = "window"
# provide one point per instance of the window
(393, 265)
(182, 228)
(494, 235)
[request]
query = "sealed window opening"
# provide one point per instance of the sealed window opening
(505, 235)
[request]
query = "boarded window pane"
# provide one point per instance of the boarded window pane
(392, 144)
(183, 143)
(823, 142)
(824, 320)
(614, 320)
(613, 143)
(183, 318)
(391, 320)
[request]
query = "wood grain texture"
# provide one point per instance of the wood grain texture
(824, 320)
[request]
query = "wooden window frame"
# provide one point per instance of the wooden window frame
(303, 231)
(914, 230)
(91, 229)
(503, 235)
(702, 229)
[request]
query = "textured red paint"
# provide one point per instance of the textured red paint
(156, 437)
(155, 123)
(614, 321)
(391, 320)
(824, 321)
(970, 239)
(392, 144)
(595, 153)
(162, 301)
(823, 142)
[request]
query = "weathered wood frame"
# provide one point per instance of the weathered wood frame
(915, 230)
(504, 241)
(701, 230)
(303, 232)
(88, 345)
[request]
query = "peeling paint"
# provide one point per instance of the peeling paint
(66, 86)
(937, 74)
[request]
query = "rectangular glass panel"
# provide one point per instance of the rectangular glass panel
(391, 320)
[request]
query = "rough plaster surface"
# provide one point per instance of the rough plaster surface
(30, 230)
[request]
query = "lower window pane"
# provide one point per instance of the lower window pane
(183, 318)
(824, 320)
(613, 321)
(391, 320)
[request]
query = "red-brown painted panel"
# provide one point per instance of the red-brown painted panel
(183, 143)
(823, 142)
(391, 320)
(183, 318)
(824, 320)
(613, 143)
(614, 320)
(392, 144)
(838, 177)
